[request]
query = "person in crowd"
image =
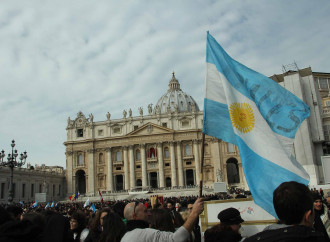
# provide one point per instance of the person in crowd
(197, 229)
(136, 215)
(95, 228)
(14, 230)
(57, 227)
(321, 220)
(119, 209)
(160, 219)
(228, 229)
(78, 226)
(15, 211)
(293, 203)
(170, 205)
(114, 228)
(36, 218)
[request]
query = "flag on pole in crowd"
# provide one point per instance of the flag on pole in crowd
(52, 205)
(47, 206)
(21, 203)
(248, 109)
(56, 205)
(35, 204)
(72, 196)
(101, 198)
(93, 208)
(87, 203)
(76, 195)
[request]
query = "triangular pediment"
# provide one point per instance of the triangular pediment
(150, 128)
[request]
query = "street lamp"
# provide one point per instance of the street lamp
(11, 163)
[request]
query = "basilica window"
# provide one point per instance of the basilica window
(116, 130)
(118, 156)
(138, 155)
(187, 150)
(323, 83)
(166, 153)
(185, 123)
(152, 153)
(80, 160)
(101, 158)
(100, 132)
(80, 133)
(164, 125)
(230, 148)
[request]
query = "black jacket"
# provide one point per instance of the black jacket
(296, 233)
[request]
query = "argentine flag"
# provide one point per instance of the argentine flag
(248, 109)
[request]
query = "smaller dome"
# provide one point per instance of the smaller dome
(175, 100)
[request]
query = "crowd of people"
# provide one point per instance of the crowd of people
(303, 216)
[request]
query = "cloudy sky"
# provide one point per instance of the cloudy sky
(61, 57)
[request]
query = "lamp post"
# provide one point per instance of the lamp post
(11, 163)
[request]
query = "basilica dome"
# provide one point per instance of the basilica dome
(175, 100)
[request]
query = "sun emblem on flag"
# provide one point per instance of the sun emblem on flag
(242, 117)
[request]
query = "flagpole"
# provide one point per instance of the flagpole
(202, 168)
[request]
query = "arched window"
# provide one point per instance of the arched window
(101, 160)
(80, 160)
(187, 150)
(139, 183)
(138, 155)
(232, 171)
(118, 156)
(166, 153)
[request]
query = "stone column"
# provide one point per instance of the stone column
(110, 175)
(144, 166)
(180, 164)
(69, 170)
(126, 168)
(197, 161)
(131, 167)
(173, 166)
(160, 165)
(91, 173)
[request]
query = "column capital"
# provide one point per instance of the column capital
(142, 146)
(159, 144)
(172, 143)
(125, 147)
(69, 153)
(196, 141)
(91, 150)
(131, 147)
(108, 149)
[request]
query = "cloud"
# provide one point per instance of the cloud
(58, 58)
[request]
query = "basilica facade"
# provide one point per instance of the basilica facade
(158, 149)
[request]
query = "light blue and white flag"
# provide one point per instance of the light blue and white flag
(87, 203)
(47, 206)
(93, 208)
(53, 204)
(35, 204)
(248, 109)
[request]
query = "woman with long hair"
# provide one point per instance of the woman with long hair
(160, 219)
(113, 228)
(95, 228)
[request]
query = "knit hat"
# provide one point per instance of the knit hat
(230, 216)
